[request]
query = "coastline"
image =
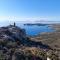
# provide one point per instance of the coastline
(15, 42)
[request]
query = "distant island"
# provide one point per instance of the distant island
(38, 24)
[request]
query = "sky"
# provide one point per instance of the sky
(26, 10)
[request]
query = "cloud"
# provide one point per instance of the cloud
(29, 19)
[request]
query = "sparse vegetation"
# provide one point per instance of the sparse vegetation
(14, 45)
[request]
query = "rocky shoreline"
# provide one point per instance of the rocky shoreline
(16, 45)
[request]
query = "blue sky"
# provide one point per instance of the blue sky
(30, 10)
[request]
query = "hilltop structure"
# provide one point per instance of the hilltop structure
(14, 24)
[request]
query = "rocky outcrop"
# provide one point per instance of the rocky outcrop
(11, 32)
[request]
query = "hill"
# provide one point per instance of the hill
(15, 45)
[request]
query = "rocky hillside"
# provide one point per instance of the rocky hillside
(15, 45)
